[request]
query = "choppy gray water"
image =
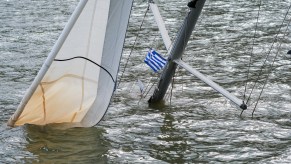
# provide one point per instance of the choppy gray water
(198, 125)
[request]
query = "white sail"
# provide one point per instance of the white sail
(77, 81)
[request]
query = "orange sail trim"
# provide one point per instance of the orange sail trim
(57, 102)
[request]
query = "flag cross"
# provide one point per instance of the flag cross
(155, 61)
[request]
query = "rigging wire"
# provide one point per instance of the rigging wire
(155, 80)
(170, 91)
(249, 65)
(267, 56)
(274, 59)
(154, 44)
(132, 48)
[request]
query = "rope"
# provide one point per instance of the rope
(169, 93)
(125, 66)
(81, 57)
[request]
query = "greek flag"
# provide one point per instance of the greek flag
(155, 60)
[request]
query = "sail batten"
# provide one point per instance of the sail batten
(68, 90)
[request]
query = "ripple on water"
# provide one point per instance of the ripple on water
(198, 126)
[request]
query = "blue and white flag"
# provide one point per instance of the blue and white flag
(155, 60)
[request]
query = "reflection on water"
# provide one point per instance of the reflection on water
(78, 145)
(171, 145)
(198, 126)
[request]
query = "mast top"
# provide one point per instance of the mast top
(192, 4)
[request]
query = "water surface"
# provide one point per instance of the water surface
(195, 124)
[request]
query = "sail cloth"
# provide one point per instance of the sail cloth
(81, 69)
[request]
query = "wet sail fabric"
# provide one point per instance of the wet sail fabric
(77, 81)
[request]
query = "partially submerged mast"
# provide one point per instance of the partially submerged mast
(176, 55)
(178, 49)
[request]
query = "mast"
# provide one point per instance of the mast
(176, 55)
(177, 49)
